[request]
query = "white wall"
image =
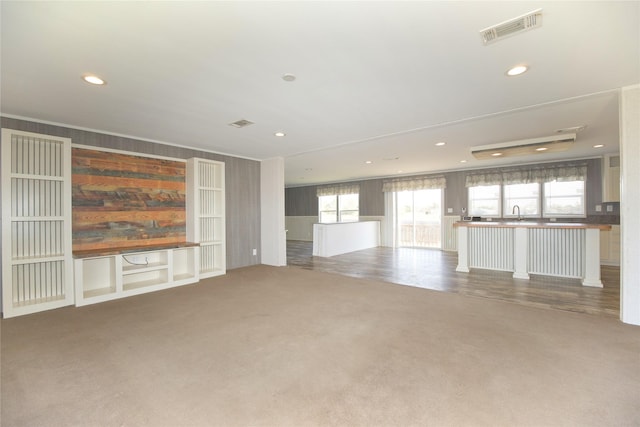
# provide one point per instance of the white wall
(630, 204)
(273, 246)
(300, 227)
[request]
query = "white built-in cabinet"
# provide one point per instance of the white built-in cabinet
(37, 263)
(611, 178)
(206, 214)
(107, 277)
(610, 246)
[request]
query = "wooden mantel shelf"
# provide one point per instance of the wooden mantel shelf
(129, 249)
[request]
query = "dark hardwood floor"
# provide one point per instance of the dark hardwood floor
(435, 269)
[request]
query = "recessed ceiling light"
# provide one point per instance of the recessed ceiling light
(288, 77)
(308, 169)
(496, 154)
(542, 149)
(94, 80)
(517, 70)
(463, 161)
(400, 171)
(280, 134)
(368, 162)
(598, 146)
(440, 144)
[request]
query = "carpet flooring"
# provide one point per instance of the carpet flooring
(268, 346)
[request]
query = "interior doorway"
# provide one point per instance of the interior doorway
(418, 218)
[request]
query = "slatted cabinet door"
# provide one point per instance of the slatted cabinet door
(37, 262)
(206, 214)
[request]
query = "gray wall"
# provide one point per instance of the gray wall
(302, 201)
(242, 180)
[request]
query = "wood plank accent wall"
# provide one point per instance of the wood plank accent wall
(123, 200)
(242, 180)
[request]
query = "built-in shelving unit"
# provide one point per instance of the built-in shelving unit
(106, 277)
(206, 214)
(37, 265)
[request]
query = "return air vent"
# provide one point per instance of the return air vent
(513, 26)
(525, 147)
(241, 123)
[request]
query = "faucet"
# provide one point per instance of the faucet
(513, 211)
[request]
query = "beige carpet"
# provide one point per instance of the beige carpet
(266, 346)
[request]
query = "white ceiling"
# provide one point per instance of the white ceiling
(375, 80)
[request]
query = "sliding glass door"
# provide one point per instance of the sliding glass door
(418, 218)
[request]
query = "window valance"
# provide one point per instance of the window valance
(414, 183)
(525, 175)
(337, 189)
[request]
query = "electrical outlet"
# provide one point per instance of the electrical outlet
(609, 208)
(449, 210)
(255, 252)
(598, 208)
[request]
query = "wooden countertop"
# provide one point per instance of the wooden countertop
(129, 249)
(529, 224)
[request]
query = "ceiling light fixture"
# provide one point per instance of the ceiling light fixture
(94, 80)
(525, 147)
(280, 134)
(440, 144)
(463, 161)
(368, 162)
(517, 70)
(288, 77)
(573, 129)
(542, 149)
(598, 146)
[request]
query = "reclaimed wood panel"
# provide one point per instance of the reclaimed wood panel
(125, 200)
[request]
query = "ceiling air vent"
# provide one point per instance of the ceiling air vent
(241, 123)
(513, 26)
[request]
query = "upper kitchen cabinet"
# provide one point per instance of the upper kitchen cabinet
(611, 178)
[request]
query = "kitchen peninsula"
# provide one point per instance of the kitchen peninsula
(524, 247)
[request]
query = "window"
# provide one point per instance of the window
(484, 200)
(328, 208)
(339, 208)
(564, 198)
(526, 196)
(539, 191)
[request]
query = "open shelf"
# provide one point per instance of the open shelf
(144, 261)
(143, 280)
(184, 264)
